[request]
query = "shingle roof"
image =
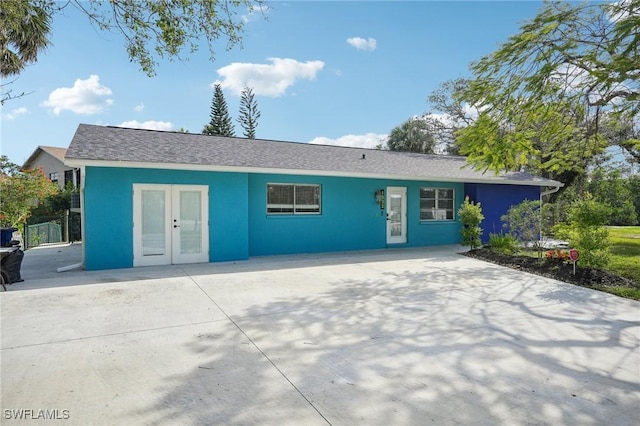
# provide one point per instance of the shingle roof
(55, 151)
(123, 147)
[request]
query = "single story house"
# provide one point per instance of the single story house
(155, 197)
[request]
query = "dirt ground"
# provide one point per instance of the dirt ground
(559, 270)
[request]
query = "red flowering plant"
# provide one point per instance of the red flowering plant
(557, 255)
(21, 191)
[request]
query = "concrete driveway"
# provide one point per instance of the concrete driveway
(376, 338)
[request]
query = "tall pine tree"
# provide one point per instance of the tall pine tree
(249, 113)
(220, 124)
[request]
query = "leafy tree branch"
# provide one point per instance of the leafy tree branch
(151, 30)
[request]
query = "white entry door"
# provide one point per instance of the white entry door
(396, 215)
(170, 224)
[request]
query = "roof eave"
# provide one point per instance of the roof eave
(71, 162)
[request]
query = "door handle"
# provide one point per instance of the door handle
(176, 226)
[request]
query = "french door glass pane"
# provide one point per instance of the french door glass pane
(153, 222)
(190, 222)
(395, 215)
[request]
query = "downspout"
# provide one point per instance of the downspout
(542, 194)
(81, 264)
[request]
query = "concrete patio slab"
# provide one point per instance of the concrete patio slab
(103, 309)
(193, 374)
(387, 337)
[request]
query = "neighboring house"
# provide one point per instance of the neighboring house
(152, 197)
(50, 159)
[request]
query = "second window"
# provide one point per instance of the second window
(283, 198)
(436, 204)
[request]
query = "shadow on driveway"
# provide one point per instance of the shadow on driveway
(396, 337)
(422, 342)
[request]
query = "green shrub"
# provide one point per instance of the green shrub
(561, 231)
(522, 221)
(587, 233)
(470, 215)
(504, 243)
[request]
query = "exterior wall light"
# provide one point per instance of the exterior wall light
(379, 197)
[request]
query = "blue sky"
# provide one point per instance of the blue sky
(324, 72)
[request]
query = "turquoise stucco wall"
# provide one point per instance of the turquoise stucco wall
(239, 224)
(108, 213)
(350, 219)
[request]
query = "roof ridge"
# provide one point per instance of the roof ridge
(275, 141)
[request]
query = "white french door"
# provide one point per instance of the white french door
(170, 224)
(396, 215)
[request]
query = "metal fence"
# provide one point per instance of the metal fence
(42, 233)
(51, 229)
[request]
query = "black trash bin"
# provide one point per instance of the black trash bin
(10, 266)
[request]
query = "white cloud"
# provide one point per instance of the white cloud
(267, 79)
(15, 113)
(139, 107)
(363, 43)
(148, 125)
(256, 12)
(85, 97)
(620, 10)
(471, 114)
(577, 79)
(368, 140)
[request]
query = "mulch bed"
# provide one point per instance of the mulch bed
(561, 271)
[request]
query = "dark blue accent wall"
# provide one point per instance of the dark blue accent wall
(496, 200)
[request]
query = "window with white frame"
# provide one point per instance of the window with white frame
(287, 198)
(53, 177)
(437, 204)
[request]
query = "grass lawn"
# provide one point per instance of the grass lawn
(625, 251)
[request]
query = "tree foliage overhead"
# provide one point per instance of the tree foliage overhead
(623, 131)
(434, 132)
(543, 94)
(449, 114)
(24, 34)
(249, 113)
(155, 29)
(152, 30)
(585, 51)
(24, 30)
(220, 123)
